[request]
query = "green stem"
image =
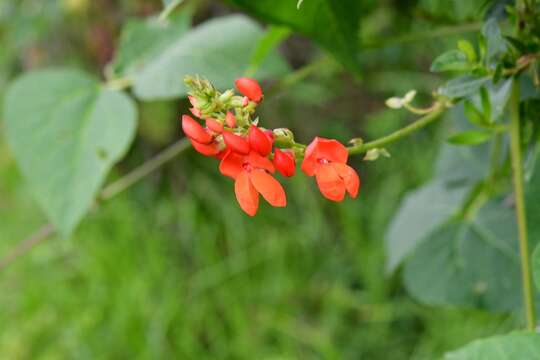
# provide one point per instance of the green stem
(517, 170)
(438, 109)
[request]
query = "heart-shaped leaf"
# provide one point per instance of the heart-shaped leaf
(518, 345)
(66, 131)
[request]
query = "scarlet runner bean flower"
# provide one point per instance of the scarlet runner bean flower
(245, 150)
(284, 162)
(327, 160)
(252, 177)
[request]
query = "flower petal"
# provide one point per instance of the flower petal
(331, 150)
(310, 164)
(231, 164)
(194, 130)
(236, 142)
(284, 162)
(259, 141)
(249, 87)
(214, 125)
(268, 187)
(350, 178)
(331, 185)
(260, 162)
(205, 149)
(247, 196)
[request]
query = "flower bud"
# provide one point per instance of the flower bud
(226, 96)
(196, 112)
(192, 100)
(245, 101)
(214, 125)
(283, 136)
(284, 162)
(250, 88)
(211, 149)
(194, 130)
(230, 119)
(236, 143)
(259, 141)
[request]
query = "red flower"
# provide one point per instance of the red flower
(250, 88)
(327, 160)
(251, 175)
(284, 162)
(214, 125)
(200, 138)
(236, 142)
(259, 141)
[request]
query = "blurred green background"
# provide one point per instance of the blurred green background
(172, 269)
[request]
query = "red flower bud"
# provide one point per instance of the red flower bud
(250, 88)
(284, 162)
(214, 125)
(245, 101)
(211, 149)
(236, 143)
(259, 141)
(194, 130)
(230, 120)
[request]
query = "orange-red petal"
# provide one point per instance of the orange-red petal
(205, 149)
(260, 162)
(259, 141)
(268, 187)
(284, 162)
(247, 196)
(214, 125)
(350, 178)
(330, 183)
(236, 142)
(195, 131)
(321, 148)
(231, 164)
(249, 87)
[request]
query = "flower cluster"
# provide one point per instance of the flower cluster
(251, 154)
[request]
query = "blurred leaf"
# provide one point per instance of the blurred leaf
(143, 40)
(219, 49)
(452, 10)
(473, 114)
(469, 262)
(273, 36)
(495, 43)
(426, 208)
(468, 49)
(472, 137)
(420, 212)
(499, 97)
(486, 104)
(66, 131)
(332, 24)
(463, 86)
(532, 198)
(518, 345)
(453, 60)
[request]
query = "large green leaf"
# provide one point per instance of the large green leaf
(332, 24)
(515, 346)
(66, 131)
(143, 40)
(473, 262)
(219, 49)
(424, 209)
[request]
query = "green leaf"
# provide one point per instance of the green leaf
(334, 25)
(468, 49)
(219, 49)
(463, 86)
(420, 212)
(453, 60)
(469, 263)
(518, 345)
(474, 115)
(66, 131)
(273, 36)
(425, 209)
(486, 105)
(471, 137)
(495, 43)
(143, 40)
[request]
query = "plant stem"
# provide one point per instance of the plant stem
(438, 109)
(517, 170)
